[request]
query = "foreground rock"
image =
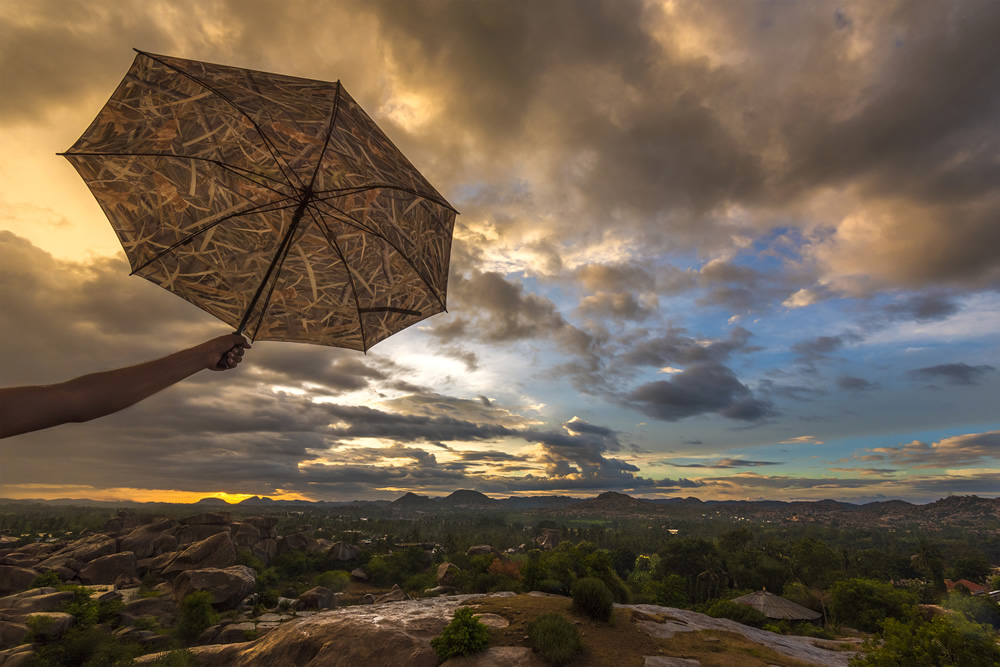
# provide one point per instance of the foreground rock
(14, 578)
(682, 620)
(216, 551)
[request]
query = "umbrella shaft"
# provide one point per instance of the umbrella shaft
(277, 260)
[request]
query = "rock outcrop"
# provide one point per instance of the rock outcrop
(14, 579)
(343, 551)
(228, 586)
(216, 551)
(107, 569)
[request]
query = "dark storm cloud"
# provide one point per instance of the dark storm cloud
(676, 347)
(957, 374)
(855, 384)
(924, 307)
(820, 349)
(795, 392)
(334, 370)
(726, 463)
(706, 387)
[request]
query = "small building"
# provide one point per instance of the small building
(971, 586)
(778, 608)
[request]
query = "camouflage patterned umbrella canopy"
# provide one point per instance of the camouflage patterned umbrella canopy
(272, 202)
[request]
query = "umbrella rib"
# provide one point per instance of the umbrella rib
(262, 208)
(340, 192)
(238, 171)
(329, 133)
(398, 252)
(321, 224)
(282, 165)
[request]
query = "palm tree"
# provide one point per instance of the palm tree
(929, 560)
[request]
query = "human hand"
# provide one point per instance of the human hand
(224, 352)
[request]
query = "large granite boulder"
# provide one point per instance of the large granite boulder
(12, 634)
(19, 559)
(247, 535)
(446, 574)
(124, 521)
(51, 624)
(297, 542)
(216, 551)
(37, 600)
(395, 595)
(501, 656)
(228, 586)
(198, 532)
(152, 539)
(317, 598)
(80, 552)
(163, 609)
(267, 525)
(14, 579)
(343, 551)
(106, 569)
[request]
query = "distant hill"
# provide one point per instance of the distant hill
(611, 503)
(466, 498)
(212, 501)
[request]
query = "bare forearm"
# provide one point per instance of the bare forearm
(24, 409)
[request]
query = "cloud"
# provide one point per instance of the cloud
(954, 452)
(924, 307)
(855, 384)
(707, 387)
(956, 373)
(727, 463)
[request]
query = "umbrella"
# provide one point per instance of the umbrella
(272, 202)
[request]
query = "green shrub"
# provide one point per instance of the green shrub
(734, 611)
(555, 638)
(592, 598)
(863, 603)
(335, 580)
(465, 635)
(246, 557)
(50, 578)
(807, 629)
(195, 615)
(82, 607)
(946, 640)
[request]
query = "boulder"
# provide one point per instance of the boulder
(19, 559)
(75, 554)
(20, 608)
(343, 551)
(228, 586)
(439, 590)
(297, 542)
(358, 573)
(50, 624)
(198, 532)
(479, 550)
(41, 549)
(208, 519)
(446, 573)
(163, 609)
(14, 579)
(548, 540)
(267, 525)
(316, 598)
(12, 634)
(151, 539)
(126, 581)
(395, 595)
(247, 535)
(265, 550)
(235, 633)
(216, 551)
(106, 569)
(124, 521)
(368, 599)
(19, 656)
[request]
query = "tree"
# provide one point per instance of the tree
(863, 603)
(929, 561)
(946, 640)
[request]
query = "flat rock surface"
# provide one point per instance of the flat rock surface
(500, 656)
(682, 620)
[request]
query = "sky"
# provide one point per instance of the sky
(717, 249)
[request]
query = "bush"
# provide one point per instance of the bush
(945, 640)
(592, 598)
(195, 615)
(465, 635)
(741, 613)
(555, 638)
(335, 580)
(50, 578)
(863, 603)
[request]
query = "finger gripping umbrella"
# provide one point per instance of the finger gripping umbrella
(272, 202)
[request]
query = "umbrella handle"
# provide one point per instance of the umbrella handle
(221, 363)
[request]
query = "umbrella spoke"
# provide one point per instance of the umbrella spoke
(321, 224)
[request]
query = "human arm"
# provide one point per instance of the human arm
(26, 409)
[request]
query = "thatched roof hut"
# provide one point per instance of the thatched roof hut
(777, 607)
